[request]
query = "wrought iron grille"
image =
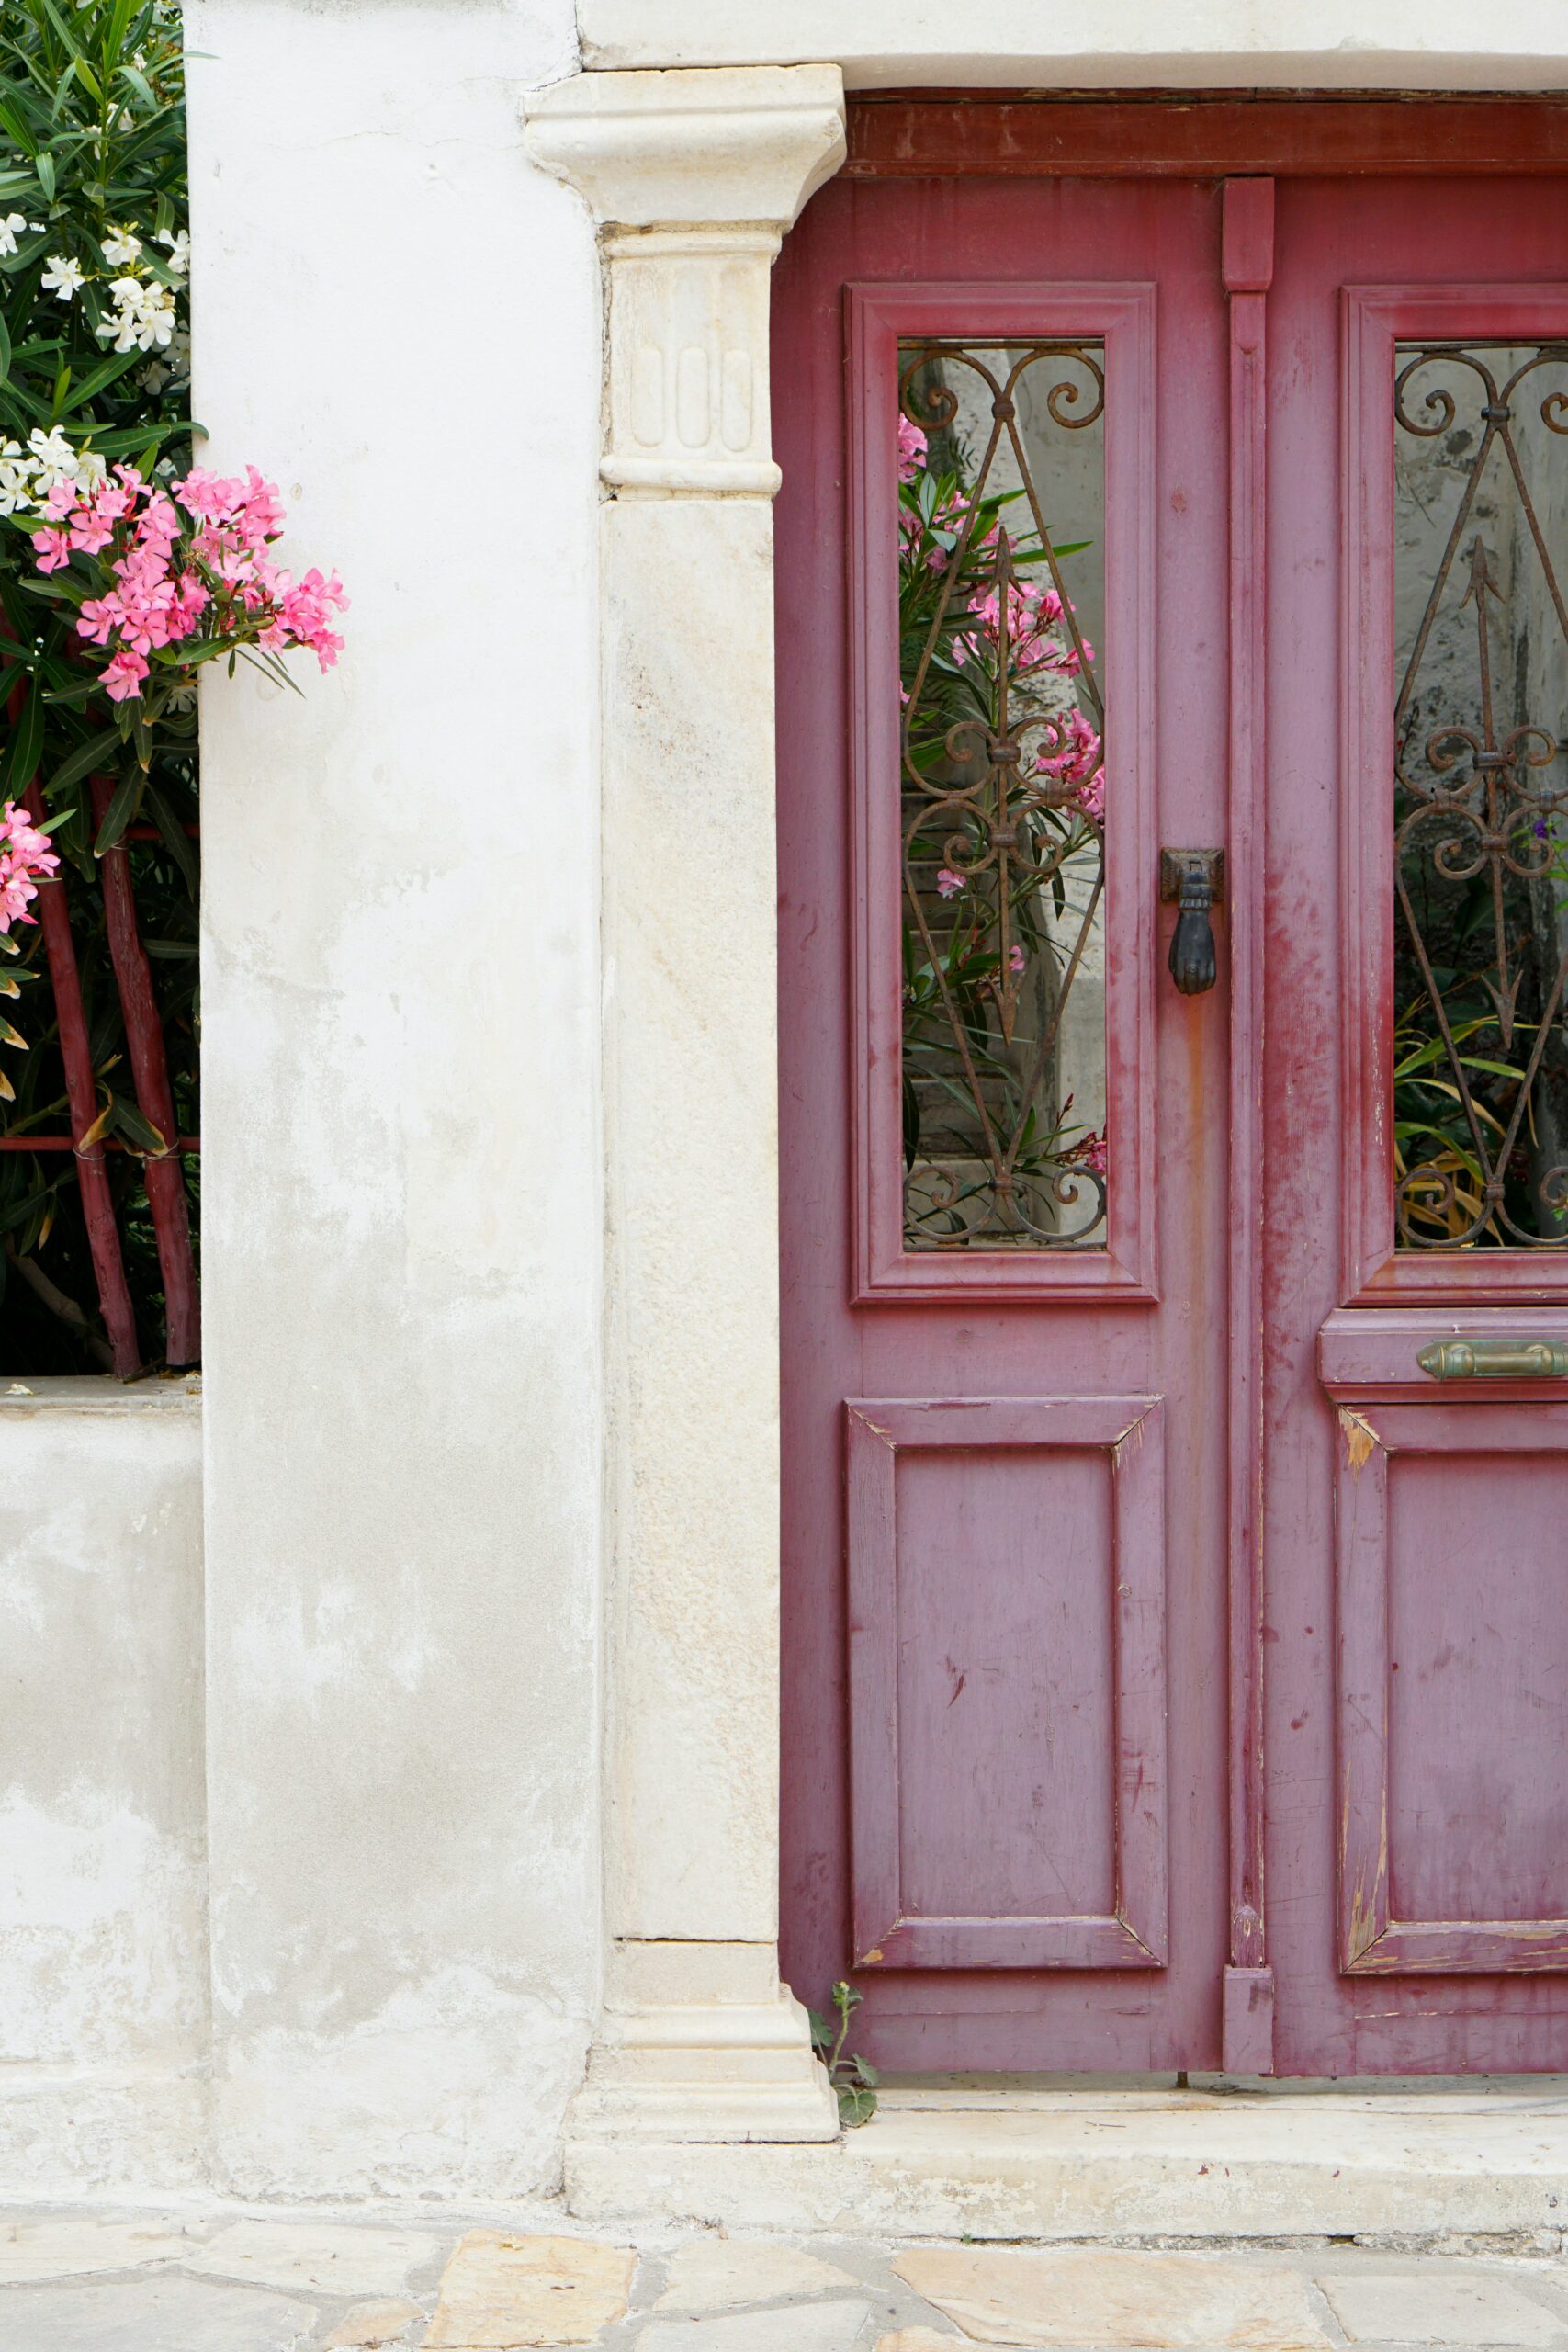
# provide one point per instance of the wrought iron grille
(1480, 1052)
(1000, 461)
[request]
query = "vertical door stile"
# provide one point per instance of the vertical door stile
(1248, 262)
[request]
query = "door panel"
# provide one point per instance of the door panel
(1453, 1689)
(1006, 1683)
(973, 1630)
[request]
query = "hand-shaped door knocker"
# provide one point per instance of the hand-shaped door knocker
(1195, 878)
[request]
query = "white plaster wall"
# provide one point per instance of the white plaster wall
(103, 1892)
(398, 318)
(1131, 44)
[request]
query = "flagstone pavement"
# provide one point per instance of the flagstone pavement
(231, 2278)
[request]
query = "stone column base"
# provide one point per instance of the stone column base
(702, 2043)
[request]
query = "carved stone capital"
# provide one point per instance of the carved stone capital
(693, 177)
(696, 148)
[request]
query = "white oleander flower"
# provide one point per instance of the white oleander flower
(179, 249)
(143, 315)
(13, 226)
(120, 247)
(53, 458)
(16, 477)
(62, 278)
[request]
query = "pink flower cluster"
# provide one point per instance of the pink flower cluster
(1074, 759)
(200, 577)
(1035, 615)
(911, 450)
(25, 856)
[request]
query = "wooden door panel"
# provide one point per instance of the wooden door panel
(1006, 1683)
(1452, 1591)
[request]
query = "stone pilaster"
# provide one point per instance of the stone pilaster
(693, 177)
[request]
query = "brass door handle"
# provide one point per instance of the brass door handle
(1511, 1359)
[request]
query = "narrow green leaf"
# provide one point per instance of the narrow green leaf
(87, 756)
(121, 812)
(174, 836)
(137, 1128)
(23, 749)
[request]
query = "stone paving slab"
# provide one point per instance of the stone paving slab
(315, 2258)
(719, 2274)
(1106, 2301)
(501, 2293)
(164, 2313)
(368, 2327)
(1424, 2307)
(219, 2279)
(803, 2327)
(59, 2246)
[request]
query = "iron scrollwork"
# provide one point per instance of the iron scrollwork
(1003, 782)
(1481, 1073)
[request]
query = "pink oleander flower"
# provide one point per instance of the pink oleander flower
(950, 884)
(124, 676)
(185, 573)
(1016, 957)
(1072, 756)
(1093, 1151)
(89, 531)
(911, 450)
(25, 856)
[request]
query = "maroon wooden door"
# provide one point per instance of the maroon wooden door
(1004, 1533)
(1175, 1671)
(1417, 1536)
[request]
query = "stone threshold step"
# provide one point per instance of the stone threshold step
(1032, 2163)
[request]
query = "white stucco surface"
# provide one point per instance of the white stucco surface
(489, 1139)
(103, 1898)
(397, 317)
(1130, 44)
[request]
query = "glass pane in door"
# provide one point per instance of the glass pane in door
(1480, 794)
(1001, 521)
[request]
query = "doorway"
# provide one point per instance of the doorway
(1172, 672)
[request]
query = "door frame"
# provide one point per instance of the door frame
(692, 177)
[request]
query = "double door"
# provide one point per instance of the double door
(1174, 1094)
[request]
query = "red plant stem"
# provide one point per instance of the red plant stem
(29, 1142)
(149, 1070)
(82, 1094)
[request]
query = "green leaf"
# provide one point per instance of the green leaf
(108, 372)
(83, 760)
(46, 177)
(137, 1129)
(121, 812)
(24, 747)
(174, 836)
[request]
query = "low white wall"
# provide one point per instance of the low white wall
(102, 1893)
(397, 318)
